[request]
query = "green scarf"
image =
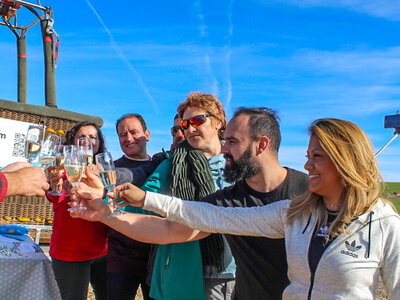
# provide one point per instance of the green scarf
(190, 179)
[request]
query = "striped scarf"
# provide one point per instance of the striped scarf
(190, 179)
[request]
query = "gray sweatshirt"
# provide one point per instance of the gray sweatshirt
(349, 268)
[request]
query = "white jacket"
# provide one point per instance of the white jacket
(350, 266)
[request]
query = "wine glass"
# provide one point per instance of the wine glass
(85, 146)
(48, 151)
(59, 163)
(75, 167)
(66, 150)
(105, 164)
(33, 141)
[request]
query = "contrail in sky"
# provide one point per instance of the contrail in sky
(203, 34)
(228, 73)
(126, 61)
(214, 87)
(228, 55)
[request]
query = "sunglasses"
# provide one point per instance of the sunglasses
(175, 129)
(194, 121)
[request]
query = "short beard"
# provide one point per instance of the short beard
(245, 167)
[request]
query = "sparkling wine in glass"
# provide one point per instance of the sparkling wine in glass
(33, 142)
(48, 151)
(59, 163)
(85, 146)
(75, 167)
(107, 174)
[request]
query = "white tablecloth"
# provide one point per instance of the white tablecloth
(25, 276)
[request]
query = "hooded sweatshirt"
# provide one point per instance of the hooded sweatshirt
(348, 269)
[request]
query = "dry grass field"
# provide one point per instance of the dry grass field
(91, 295)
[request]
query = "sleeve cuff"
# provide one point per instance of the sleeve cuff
(3, 186)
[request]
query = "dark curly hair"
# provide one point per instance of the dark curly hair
(70, 135)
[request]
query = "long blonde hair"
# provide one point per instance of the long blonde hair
(352, 153)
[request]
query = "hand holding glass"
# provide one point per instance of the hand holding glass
(107, 174)
(75, 167)
(59, 164)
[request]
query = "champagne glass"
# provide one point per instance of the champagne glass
(66, 150)
(105, 164)
(85, 146)
(33, 141)
(75, 167)
(48, 151)
(59, 163)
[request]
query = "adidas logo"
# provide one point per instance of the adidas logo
(322, 231)
(351, 249)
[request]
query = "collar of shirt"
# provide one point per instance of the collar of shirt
(138, 159)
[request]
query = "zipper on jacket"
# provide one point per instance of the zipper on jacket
(165, 268)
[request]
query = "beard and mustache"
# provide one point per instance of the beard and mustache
(244, 167)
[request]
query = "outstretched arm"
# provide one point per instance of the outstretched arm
(143, 228)
(152, 229)
(29, 181)
(268, 220)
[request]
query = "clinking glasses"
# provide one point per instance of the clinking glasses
(194, 121)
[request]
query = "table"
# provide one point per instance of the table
(38, 229)
(25, 271)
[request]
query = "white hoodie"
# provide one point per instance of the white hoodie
(350, 266)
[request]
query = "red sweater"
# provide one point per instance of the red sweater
(75, 239)
(3, 186)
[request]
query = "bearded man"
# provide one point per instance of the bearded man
(252, 140)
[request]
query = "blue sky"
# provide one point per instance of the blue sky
(306, 59)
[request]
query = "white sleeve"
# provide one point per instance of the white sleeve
(268, 220)
(391, 266)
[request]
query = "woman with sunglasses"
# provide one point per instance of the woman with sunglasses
(205, 269)
(78, 248)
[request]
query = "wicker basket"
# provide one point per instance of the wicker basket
(26, 210)
(37, 209)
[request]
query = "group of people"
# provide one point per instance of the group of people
(247, 227)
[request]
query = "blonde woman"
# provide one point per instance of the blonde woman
(340, 237)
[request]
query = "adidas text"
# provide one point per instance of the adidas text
(349, 253)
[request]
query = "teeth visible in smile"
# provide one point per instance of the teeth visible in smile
(312, 176)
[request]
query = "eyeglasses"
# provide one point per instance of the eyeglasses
(194, 121)
(175, 129)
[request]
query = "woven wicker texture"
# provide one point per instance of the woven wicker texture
(54, 123)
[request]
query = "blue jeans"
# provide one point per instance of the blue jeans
(124, 287)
